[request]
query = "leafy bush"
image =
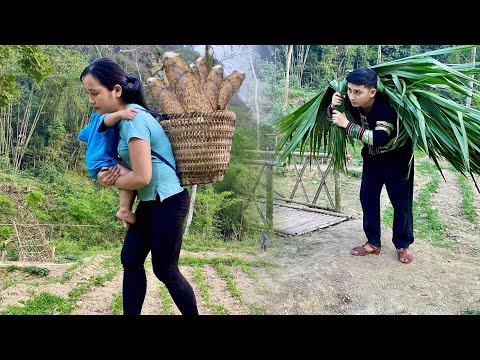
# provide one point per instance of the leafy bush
(208, 204)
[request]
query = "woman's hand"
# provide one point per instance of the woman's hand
(108, 176)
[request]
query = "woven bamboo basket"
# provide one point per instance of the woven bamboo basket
(201, 143)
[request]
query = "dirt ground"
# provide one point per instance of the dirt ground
(313, 274)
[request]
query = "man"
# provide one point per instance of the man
(386, 153)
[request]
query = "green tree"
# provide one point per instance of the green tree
(15, 59)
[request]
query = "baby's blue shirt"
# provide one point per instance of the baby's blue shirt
(101, 146)
(164, 180)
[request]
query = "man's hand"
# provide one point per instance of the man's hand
(107, 176)
(337, 99)
(339, 118)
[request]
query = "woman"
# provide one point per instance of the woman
(163, 201)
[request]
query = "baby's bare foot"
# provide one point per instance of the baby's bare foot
(126, 216)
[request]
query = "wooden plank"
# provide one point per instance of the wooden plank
(317, 207)
(314, 225)
(293, 216)
(304, 230)
(319, 221)
(299, 222)
(294, 221)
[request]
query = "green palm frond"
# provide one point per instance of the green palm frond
(421, 89)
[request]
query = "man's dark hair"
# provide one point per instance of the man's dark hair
(363, 76)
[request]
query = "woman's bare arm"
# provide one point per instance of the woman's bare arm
(141, 174)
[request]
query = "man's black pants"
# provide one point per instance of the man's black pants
(389, 169)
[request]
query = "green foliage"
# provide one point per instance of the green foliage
(5, 203)
(208, 203)
(68, 199)
(5, 233)
(32, 270)
(41, 304)
(48, 172)
(5, 166)
(36, 198)
(36, 270)
(15, 59)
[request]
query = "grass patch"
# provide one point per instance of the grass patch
(469, 208)
(204, 293)
(41, 304)
(470, 312)
(426, 168)
(6, 203)
(354, 173)
(387, 216)
(117, 304)
(167, 301)
(426, 222)
(32, 270)
(227, 260)
(223, 271)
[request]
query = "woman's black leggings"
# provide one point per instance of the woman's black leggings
(159, 229)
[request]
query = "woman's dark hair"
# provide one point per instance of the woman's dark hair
(109, 74)
(363, 76)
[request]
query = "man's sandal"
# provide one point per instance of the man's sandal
(404, 256)
(365, 249)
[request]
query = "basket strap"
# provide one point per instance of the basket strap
(154, 153)
(161, 158)
(157, 115)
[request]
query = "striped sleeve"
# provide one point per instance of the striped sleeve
(360, 133)
(384, 126)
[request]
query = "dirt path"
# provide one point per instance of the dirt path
(321, 277)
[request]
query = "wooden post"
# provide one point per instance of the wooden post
(21, 255)
(269, 198)
(190, 210)
(338, 199)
